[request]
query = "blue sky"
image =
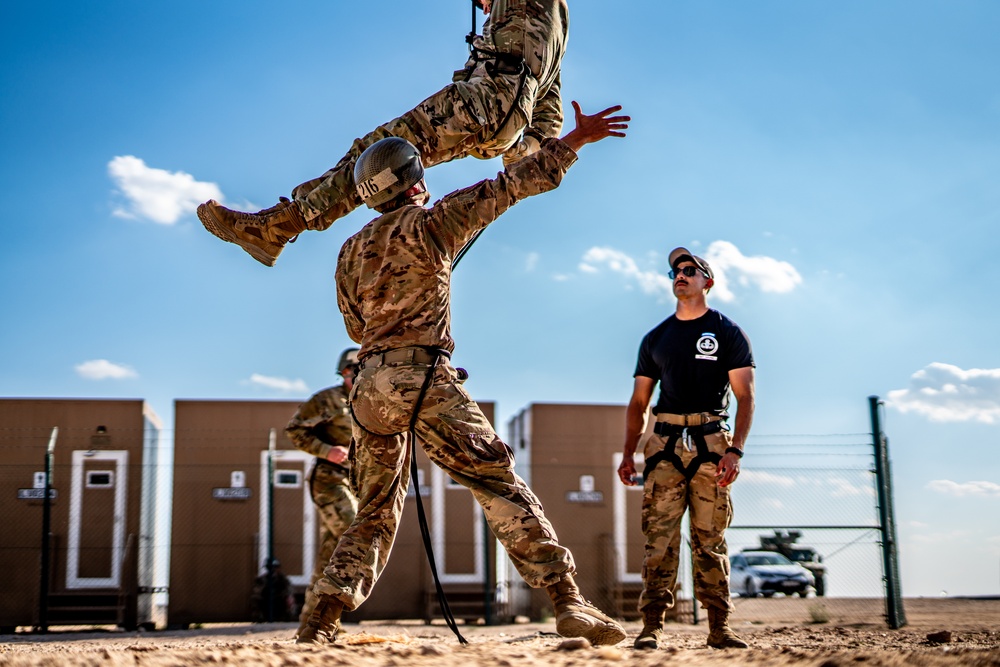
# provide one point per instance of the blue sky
(837, 163)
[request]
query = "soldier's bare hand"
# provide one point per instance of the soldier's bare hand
(338, 454)
(600, 125)
(728, 470)
(626, 471)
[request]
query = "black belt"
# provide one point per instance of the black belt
(416, 354)
(672, 434)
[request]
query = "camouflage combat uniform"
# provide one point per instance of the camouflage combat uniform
(393, 287)
(666, 496)
(319, 424)
(467, 117)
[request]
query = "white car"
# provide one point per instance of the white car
(765, 573)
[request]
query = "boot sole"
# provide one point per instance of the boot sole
(596, 631)
(216, 228)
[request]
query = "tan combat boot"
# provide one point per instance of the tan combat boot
(323, 624)
(575, 617)
(652, 627)
(720, 635)
(262, 234)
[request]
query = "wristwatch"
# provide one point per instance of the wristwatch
(735, 450)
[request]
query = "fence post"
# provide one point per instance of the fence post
(894, 614)
(272, 441)
(43, 593)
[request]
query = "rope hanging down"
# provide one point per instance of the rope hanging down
(425, 532)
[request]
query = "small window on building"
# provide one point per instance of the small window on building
(100, 479)
(288, 479)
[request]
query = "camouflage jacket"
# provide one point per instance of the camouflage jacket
(394, 276)
(536, 30)
(322, 422)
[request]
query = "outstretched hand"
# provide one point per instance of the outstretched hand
(596, 127)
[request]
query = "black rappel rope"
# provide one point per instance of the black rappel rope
(425, 532)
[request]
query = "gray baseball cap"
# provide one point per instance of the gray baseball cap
(681, 254)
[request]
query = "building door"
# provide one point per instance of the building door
(98, 493)
(295, 526)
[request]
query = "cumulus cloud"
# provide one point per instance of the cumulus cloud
(650, 282)
(843, 488)
(281, 384)
(946, 393)
(770, 479)
(729, 265)
(732, 267)
(102, 369)
(962, 489)
(156, 194)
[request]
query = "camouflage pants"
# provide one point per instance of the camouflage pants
(336, 505)
(667, 494)
(456, 437)
(459, 120)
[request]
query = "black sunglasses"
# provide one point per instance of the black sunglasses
(688, 271)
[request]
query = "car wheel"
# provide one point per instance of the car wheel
(820, 586)
(804, 593)
(751, 590)
(768, 594)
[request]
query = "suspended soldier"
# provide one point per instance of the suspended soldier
(322, 427)
(505, 101)
(394, 290)
(695, 355)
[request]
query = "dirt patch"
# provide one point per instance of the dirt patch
(974, 627)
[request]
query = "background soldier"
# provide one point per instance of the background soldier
(393, 287)
(505, 101)
(322, 427)
(691, 459)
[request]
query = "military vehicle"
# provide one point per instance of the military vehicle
(784, 543)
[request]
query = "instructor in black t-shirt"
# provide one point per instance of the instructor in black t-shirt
(696, 355)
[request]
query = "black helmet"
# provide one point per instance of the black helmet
(387, 169)
(348, 358)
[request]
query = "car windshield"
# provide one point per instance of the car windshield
(767, 559)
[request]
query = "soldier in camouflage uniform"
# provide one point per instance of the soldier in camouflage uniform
(393, 288)
(322, 427)
(505, 101)
(696, 355)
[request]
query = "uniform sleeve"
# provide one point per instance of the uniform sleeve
(456, 218)
(303, 427)
(645, 366)
(741, 352)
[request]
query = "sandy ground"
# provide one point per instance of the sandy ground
(974, 626)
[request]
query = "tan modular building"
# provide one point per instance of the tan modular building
(569, 455)
(102, 511)
(222, 528)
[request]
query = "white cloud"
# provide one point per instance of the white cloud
(729, 266)
(156, 194)
(281, 384)
(651, 282)
(772, 503)
(947, 393)
(962, 489)
(531, 261)
(758, 477)
(842, 488)
(102, 369)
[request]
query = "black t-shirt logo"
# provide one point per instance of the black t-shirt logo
(707, 346)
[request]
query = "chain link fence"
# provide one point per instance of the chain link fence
(153, 528)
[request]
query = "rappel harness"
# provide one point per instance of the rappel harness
(688, 435)
(496, 63)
